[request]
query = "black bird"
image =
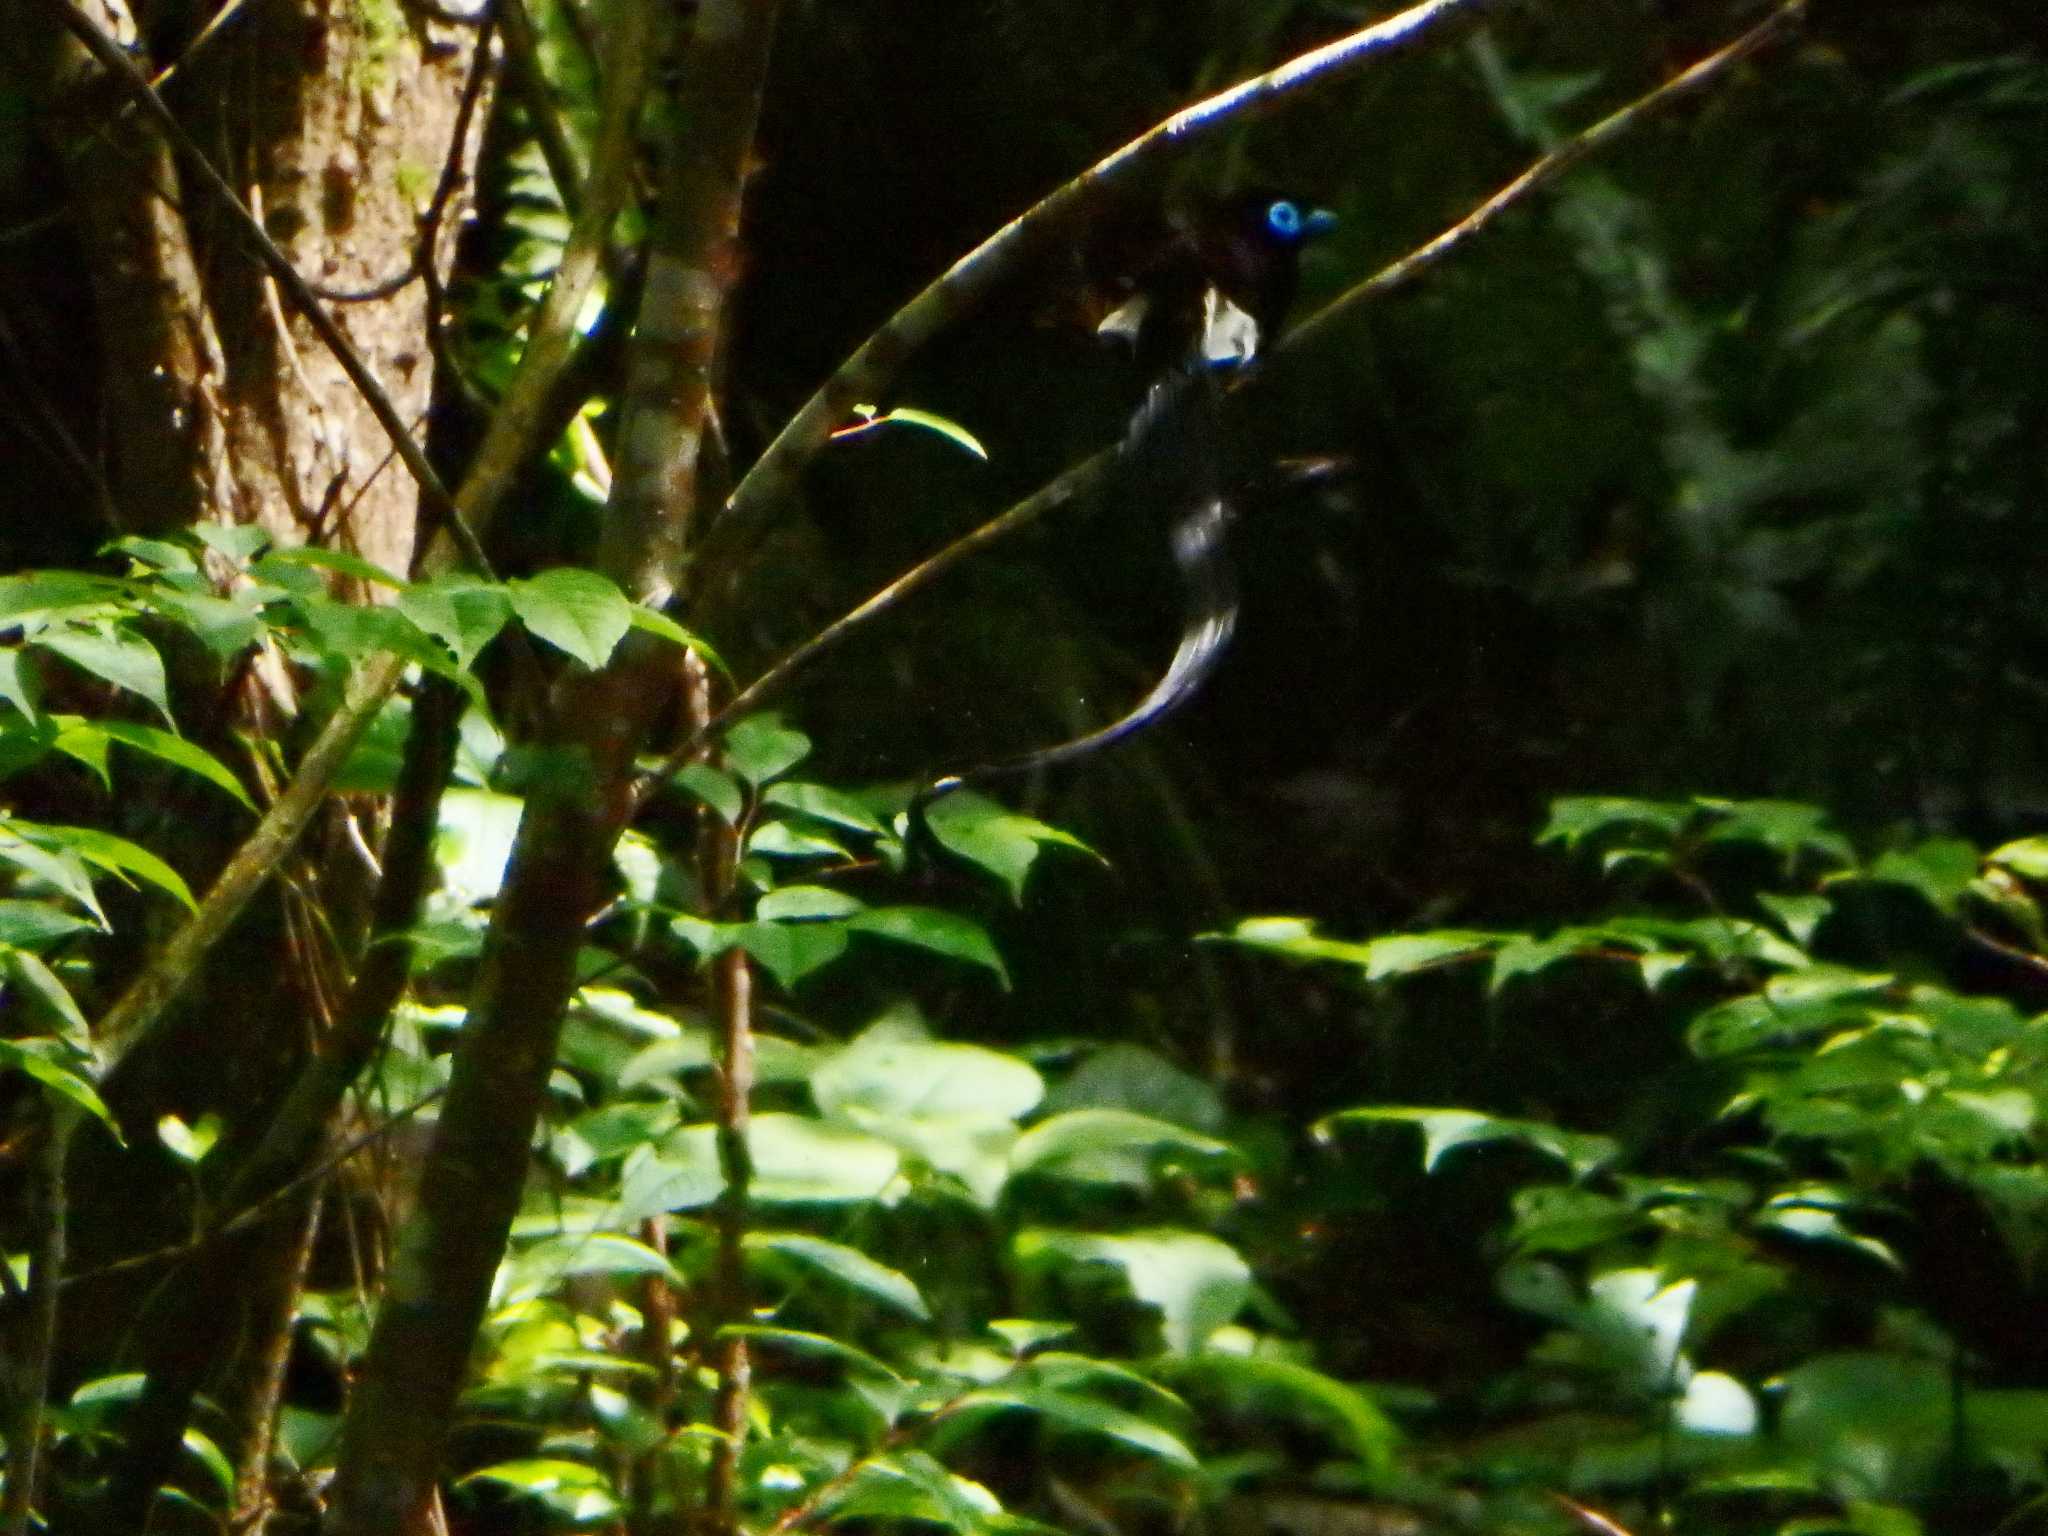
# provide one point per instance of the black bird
(1203, 298)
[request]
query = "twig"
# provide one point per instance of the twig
(249, 1215)
(978, 275)
(1085, 476)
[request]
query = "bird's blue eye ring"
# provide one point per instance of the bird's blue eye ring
(1284, 219)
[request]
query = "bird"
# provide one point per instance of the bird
(1197, 297)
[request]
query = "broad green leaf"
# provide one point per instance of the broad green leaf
(163, 746)
(226, 626)
(574, 610)
(1195, 1282)
(33, 924)
(792, 951)
(37, 982)
(2027, 858)
(201, 1448)
(822, 803)
(941, 932)
(52, 1063)
(717, 790)
(1446, 1130)
(536, 1269)
(341, 561)
(796, 1159)
(848, 1267)
(1940, 869)
(1576, 818)
(760, 748)
(40, 594)
(786, 840)
(1260, 1389)
(1130, 1077)
(776, 1059)
(20, 683)
(239, 542)
(1787, 827)
(806, 904)
(896, 1078)
(188, 1143)
(994, 838)
(1107, 1146)
(1080, 1415)
(910, 1486)
(576, 1492)
(114, 655)
(662, 627)
(814, 1344)
(154, 554)
(1800, 915)
(460, 612)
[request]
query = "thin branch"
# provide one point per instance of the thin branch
(978, 275)
(1085, 476)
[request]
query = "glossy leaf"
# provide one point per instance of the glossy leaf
(577, 611)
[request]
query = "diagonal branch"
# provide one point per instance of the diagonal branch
(1085, 476)
(972, 279)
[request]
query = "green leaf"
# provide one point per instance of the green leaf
(891, 1076)
(59, 868)
(1130, 1077)
(462, 613)
(994, 838)
(113, 655)
(1787, 827)
(2027, 857)
(153, 554)
(33, 924)
(761, 747)
(37, 982)
(341, 561)
(188, 1143)
(1801, 916)
(931, 928)
(814, 1344)
(1261, 1389)
(796, 1159)
(52, 1063)
(1573, 819)
(910, 1486)
(791, 951)
(118, 856)
(226, 626)
(847, 1266)
(20, 683)
(1446, 1130)
(1081, 1415)
(822, 803)
(718, 790)
(806, 904)
(581, 1494)
(538, 1268)
(662, 627)
(163, 746)
(1107, 1146)
(1940, 869)
(239, 542)
(870, 417)
(35, 595)
(1195, 1282)
(574, 610)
